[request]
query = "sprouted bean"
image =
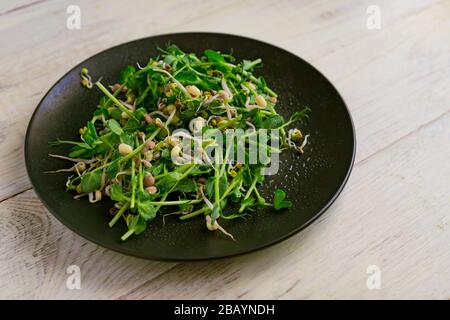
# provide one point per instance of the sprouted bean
(86, 80)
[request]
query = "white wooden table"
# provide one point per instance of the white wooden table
(394, 213)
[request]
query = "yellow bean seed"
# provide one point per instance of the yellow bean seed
(193, 91)
(260, 101)
(169, 109)
(98, 195)
(80, 166)
(159, 123)
(125, 149)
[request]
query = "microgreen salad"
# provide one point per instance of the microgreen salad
(126, 151)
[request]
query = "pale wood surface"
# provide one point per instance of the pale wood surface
(394, 212)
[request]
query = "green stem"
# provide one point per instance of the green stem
(227, 152)
(266, 89)
(186, 93)
(127, 235)
(140, 177)
(261, 200)
(184, 175)
(118, 215)
(253, 185)
(133, 184)
(254, 63)
(174, 203)
(216, 179)
(194, 214)
(115, 94)
(206, 209)
(114, 99)
(231, 186)
(272, 149)
(179, 70)
(249, 191)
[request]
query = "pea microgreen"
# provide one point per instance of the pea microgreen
(127, 150)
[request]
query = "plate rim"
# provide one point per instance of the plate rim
(166, 259)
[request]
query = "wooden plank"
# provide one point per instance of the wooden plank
(37, 250)
(400, 223)
(383, 75)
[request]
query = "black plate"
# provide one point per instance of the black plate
(312, 181)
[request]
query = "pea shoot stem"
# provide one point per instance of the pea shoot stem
(174, 203)
(133, 184)
(118, 215)
(115, 100)
(194, 213)
(127, 235)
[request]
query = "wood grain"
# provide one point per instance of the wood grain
(394, 212)
(37, 249)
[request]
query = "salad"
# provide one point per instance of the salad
(155, 143)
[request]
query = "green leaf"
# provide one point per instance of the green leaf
(214, 56)
(188, 115)
(168, 181)
(101, 111)
(247, 176)
(278, 200)
(300, 114)
(223, 184)
(127, 138)
(126, 74)
(169, 59)
(114, 126)
(186, 185)
(156, 170)
(116, 114)
(246, 203)
(146, 210)
(165, 154)
(90, 136)
(273, 122)
(91, 181)
(102, 102)
(236, 195)
(200, 169)
(185, 207)
(112, 170)
(116, 193)
(187, 76)
(256, 116)
(140, 113)
(258, 173)
(262, 81)
(77, 152)
(173, 49)
(138, 224)
(131, 125)
(248, 65)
